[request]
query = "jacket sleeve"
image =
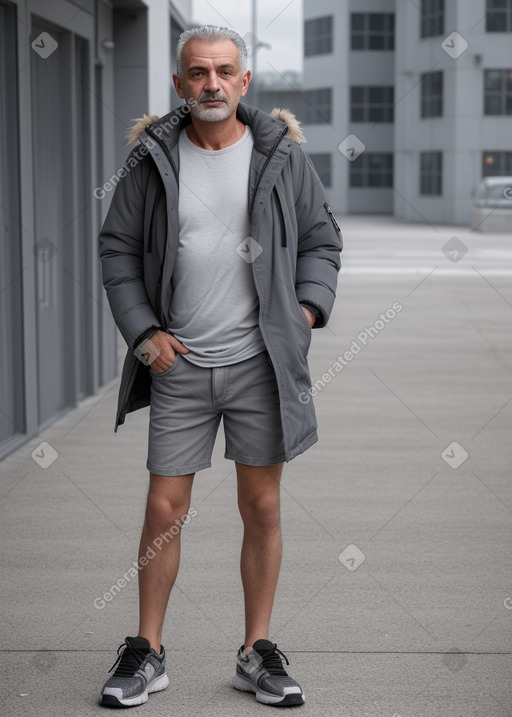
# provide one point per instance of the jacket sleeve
(319, 242)
(121, 244)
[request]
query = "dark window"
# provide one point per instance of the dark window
(372, 169)
(431, 174)
(318, 106)
(496, 164)
(372, 31)
(371, 104)
(498, 92)
(432, 94)
(498, 16)
(318, 36)
(323, 165)
(432, 18)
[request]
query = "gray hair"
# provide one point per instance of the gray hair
(210, 33)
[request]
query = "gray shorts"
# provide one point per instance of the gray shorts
(187, 403)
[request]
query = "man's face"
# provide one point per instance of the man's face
(211, 81)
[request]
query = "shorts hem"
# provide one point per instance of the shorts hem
(182, 471)
(249, 461)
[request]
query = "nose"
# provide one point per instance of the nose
(212, 82)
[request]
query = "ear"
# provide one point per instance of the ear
(178, 86)
(245, 82)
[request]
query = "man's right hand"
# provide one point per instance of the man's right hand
(161, 349)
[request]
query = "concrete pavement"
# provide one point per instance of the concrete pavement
(395, 595)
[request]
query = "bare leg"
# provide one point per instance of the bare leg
(258, 501)
(168, 501)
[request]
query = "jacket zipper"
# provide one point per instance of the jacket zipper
(269, 157)
(333, 220)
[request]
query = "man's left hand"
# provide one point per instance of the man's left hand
(309, 316)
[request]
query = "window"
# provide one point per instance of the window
(371, 104)
(323, 165)
(496, 164)
(431, 174)
(372, 170)
(318, 36)
(372, 31)
(432, 94)
(318, 106)
(432, 18)
(498, 16)
(498, 92)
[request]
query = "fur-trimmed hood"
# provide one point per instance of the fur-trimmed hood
(294, 128)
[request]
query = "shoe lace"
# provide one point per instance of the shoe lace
(272, 662)
(129, 660)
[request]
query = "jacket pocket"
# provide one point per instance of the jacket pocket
(280, 214)
(304, 321)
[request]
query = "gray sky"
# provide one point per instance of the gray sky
(279, 24)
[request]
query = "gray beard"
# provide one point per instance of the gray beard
(211, 114)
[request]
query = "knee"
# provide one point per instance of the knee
(163, 511)
(261, 512)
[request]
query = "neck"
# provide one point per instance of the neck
(215, 135)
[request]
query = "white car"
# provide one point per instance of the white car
(492, 206)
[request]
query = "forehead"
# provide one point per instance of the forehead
(202, 53)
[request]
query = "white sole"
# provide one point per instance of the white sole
(159, 684)
(266, 698)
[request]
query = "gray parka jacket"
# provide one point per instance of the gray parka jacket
(290, 220)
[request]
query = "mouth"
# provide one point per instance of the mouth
(212, 103)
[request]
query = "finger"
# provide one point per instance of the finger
(178, 346)
(161, 364)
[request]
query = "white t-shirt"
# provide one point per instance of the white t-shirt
(214, 305)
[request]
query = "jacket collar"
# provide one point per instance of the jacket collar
(266, 129)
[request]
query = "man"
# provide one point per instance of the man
(216, 286)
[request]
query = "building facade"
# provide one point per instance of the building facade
(72, 75)
(282, 90)
(408, 105)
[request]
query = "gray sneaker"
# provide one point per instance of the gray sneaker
(261, 671)
(140, 671)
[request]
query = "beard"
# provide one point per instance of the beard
(211, 114)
